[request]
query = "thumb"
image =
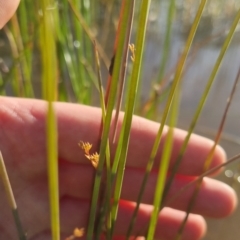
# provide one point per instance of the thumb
(7, 9)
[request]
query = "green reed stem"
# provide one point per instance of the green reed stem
(203, 100)
(23, 39)
(210, 155)
(123, 71)
(207, 173)
(163, 168)
(107, 196)
(17, 84)
(130, 105)
(49, 83)
(167, 40)
(11, 199)
(166, 48)
(106, 126)
(89, 33)
(175, 83)
(80, 83)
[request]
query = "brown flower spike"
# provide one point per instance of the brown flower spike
(77, 233)
(94, 158)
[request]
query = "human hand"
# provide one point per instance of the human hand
(7, 9)
(23, 146)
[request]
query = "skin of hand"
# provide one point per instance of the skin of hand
(23, 146)
(7, 9)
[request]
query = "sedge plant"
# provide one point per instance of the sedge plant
(72, 60)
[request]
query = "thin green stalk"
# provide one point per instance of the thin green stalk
(81, 52)
(3, 70)
(85, 10)
(73, 53)
(175, 83)
(84, 53)
(209, 157)
(202, 101)
(167, 40)
(107, 196)
(100, 85)
(11, 199)
(49, 63)
(17, 83)
(21, 26)
(53, 171)
(163, 168)
(70, 66)
(2, 91)
(166, 47)
(220, 129)
(107, 23)
(123, 71)
(106, 127)
(111, 66)
(130, 105)
(90, 72)
(207, 173)
(90, 34)
(25, 28)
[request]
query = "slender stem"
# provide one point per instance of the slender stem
(106, 128)
(207, 173)
(11, 199)
(202, 102)
(90, 34)
(209, 157)
(176, 80)
(49, 83)
(130, 106)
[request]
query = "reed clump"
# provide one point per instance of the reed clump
(66, 44)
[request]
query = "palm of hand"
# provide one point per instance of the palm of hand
(23, 146)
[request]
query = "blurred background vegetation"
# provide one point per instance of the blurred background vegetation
(20, 44)
(22, 58)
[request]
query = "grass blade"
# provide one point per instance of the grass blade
(202, 101)
(125, 131)
(17, 84)
(210, 155)
(24, 64)
(163, 168)
(166, 47)
(175, 83)
(106, 127)
(209, 172)
(11, 199)
(123, 71)
(107, 196)
(90, 34)
(49, 62)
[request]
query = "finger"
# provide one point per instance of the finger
(168, 224)
(76, 180)
(24, 133)
(7, 9)
(215, 199)
(26, 118)
(33, 208)
(143, 134)
(76, 212)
